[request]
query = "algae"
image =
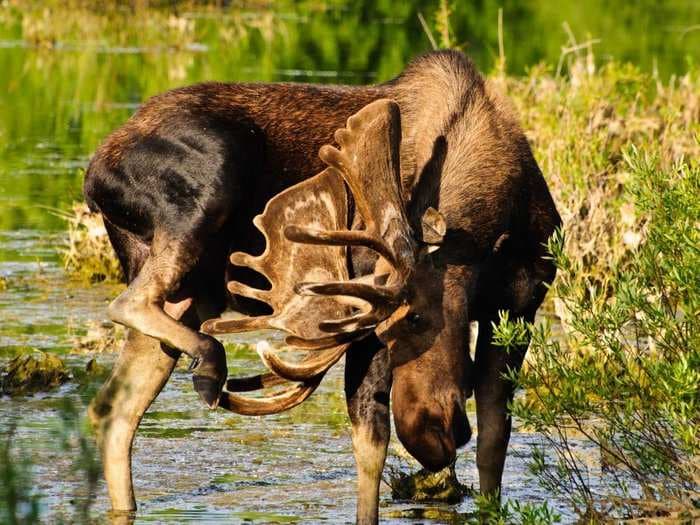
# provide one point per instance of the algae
(28, 374)
(427, 486)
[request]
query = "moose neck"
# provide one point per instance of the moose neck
(447, 84)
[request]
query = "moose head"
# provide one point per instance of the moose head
(413, 299)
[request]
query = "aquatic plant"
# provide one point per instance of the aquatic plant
(426, 486)
(33, 372)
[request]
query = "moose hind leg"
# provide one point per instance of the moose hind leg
(367, 385)
(137, 378)
(140, 307)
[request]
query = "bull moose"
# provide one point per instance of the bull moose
(429, 212)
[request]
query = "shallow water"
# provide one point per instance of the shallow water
(191, 464)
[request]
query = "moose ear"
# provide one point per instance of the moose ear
(433, 226)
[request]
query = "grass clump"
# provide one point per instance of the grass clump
(580, 126)
(30, 373)
(88, 254)
(101, 337)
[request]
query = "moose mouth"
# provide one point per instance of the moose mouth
(432, 443)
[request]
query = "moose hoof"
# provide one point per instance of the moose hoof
(209, 373)
(208, 389)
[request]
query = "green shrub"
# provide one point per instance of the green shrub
(626, 374)
(491, 511)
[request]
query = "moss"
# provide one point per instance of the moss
(30, 373)
(427, 486)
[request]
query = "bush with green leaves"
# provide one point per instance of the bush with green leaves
(625, 375)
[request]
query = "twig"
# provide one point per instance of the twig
(501, 47)
(427, 30)
(573, 49)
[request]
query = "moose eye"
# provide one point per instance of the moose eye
(413, 318)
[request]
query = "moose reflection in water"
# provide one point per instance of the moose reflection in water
(430, 212)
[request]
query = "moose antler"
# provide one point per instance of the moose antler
(368, 161)
(322, 201)
(306, 261)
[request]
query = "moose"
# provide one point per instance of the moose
(375, 222)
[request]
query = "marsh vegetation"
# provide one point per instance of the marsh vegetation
(609, 96)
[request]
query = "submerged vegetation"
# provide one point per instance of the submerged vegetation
(29, 373)
(425, 486)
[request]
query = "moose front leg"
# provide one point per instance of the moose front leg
(141, 307)
(493, 393)
(367, 386)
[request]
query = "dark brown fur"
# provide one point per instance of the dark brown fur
(192, 167)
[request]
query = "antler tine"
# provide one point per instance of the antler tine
(340, 238)
(372, 293)
(218, 325)
(305, 370)
(322, 343)
(288, 398)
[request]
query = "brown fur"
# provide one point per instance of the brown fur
(194, 165)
